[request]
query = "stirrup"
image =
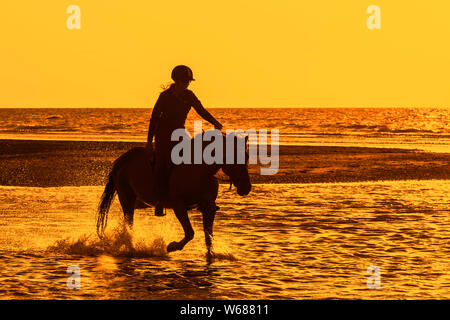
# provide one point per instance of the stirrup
(160, 211)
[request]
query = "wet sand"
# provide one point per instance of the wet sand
(82, 163)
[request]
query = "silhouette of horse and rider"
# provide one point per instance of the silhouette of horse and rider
(145, 177)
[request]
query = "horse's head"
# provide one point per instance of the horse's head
(236, 164)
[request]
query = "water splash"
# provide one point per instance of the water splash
(120, 242)
(221, 251)
(221, 256)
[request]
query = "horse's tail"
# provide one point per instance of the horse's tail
(105, 202)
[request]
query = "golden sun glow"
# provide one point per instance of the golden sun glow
(243, 53)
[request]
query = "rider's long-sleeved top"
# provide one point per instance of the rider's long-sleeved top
(170, 113)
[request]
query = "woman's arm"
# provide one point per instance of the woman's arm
(156, 114)
(202, 112)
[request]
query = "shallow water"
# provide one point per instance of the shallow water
(292, 241)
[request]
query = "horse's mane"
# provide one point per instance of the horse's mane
(237, 136)
(224, 135)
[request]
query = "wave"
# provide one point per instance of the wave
(37, 128)
(56, 117)
(410, 131)
(385, 129)
(362, 126)
(112, 127)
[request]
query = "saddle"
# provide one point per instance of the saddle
(152, 162)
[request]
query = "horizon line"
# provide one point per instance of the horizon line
(302, 107)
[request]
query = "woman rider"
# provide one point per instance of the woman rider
(170, 113)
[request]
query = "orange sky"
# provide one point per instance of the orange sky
(243, 53)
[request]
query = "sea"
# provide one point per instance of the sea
(352, 240)
(409, 128)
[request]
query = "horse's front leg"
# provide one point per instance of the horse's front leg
(182, 216)
(208, 212)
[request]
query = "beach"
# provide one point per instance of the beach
(47, 163)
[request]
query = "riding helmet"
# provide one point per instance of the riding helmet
(182, 73)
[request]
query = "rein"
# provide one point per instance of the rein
(230, 181)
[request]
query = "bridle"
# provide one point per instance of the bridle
(230, 178)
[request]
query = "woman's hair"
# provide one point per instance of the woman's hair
(166, 86)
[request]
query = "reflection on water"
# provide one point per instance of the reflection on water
(281, 242)
(411, 128)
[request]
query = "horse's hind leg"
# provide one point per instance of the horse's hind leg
(127, 200)
(182, 216)
(208, 211)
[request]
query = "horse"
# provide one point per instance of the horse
(191, 186)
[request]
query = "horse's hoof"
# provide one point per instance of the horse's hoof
(210, 256)
(173, 246)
